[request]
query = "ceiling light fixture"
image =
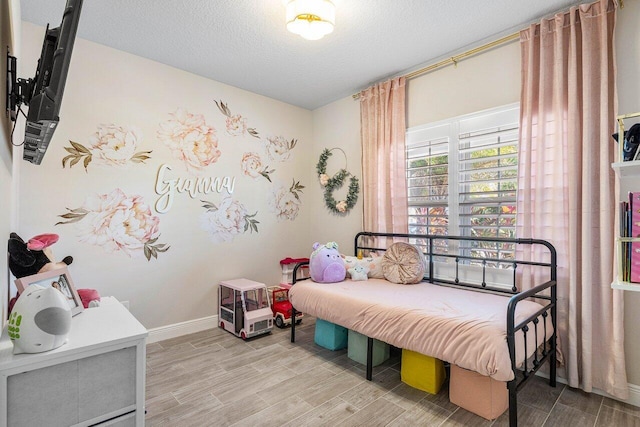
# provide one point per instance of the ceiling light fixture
(311, 19)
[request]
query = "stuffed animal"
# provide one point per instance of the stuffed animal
(89, 297)
(33, 257)
(358, 272)
(325, 263)
(40, 320)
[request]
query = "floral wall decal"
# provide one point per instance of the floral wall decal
(286, 202)
(279, 148)
(190, 140)
(110, 145)
(236, 124)
(227, 220)
(251, 165)
(117, 223)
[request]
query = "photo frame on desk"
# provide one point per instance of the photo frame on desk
(59, 279)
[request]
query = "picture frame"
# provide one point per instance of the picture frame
(59, 279)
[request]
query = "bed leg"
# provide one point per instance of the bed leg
(369, 358)
(552, 362)
(293, 324)
(513, 403)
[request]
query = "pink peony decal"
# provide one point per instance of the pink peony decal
(251, 165)
(227, 220)
(236, 124)
(111, 145)
(117, 223)
(190, 140)
(285, 203)
(278, 148)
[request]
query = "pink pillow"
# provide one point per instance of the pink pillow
(403, 263)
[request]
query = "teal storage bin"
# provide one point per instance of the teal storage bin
(329, 335)
(357, 349)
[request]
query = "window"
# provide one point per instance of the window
(462, 178)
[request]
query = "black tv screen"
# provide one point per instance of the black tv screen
(44, 93)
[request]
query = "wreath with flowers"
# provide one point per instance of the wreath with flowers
(335, 182)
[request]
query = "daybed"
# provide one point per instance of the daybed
(468, 310)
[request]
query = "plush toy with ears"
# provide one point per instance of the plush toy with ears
(34, 256)
(325, 263)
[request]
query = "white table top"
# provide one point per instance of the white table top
(111, 324)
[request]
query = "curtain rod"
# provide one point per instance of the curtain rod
(455, 58)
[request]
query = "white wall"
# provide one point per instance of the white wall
(106, 86)
(336, 125)
(480, 82)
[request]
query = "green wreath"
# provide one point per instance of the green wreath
(335, 182)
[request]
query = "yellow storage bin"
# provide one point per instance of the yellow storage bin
(422, 372)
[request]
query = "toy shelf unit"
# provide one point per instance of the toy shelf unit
(627, 170)
(624, 280)
(287, 265)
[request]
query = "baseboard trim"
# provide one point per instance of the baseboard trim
(634, 395)
(182, 328)
(634, 391)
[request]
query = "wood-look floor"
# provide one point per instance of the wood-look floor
(212, 378)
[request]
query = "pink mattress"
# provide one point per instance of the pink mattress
(462, 327)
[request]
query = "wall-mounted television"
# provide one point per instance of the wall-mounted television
(43, 93)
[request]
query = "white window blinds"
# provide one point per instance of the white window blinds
(462, 177)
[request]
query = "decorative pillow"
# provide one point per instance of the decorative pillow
(403, 263)
(358, 272)
(374, 265)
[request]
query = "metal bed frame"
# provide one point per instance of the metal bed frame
(545, 293)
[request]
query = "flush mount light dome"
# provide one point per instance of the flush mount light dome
(311, 19)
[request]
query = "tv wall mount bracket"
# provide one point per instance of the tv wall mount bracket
(18, 90)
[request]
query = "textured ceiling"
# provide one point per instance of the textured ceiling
(244, 43)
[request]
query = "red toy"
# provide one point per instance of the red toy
(281, 307)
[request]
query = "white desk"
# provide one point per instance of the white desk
(97, 376)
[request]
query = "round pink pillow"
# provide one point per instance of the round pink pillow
(403, 263)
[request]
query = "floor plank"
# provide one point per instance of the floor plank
(214, 378)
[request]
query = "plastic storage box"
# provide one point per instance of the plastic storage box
(329, 335)
(357, 349)
(425, 373)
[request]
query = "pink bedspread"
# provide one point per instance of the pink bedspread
(462, 327)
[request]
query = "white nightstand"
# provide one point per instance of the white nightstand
(98, 376)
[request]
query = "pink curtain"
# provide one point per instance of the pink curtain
(566, 185)
(383, 128)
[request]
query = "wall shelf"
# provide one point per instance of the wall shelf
(619, 283)
(625, 286)
(628, 179)
(627, 169)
